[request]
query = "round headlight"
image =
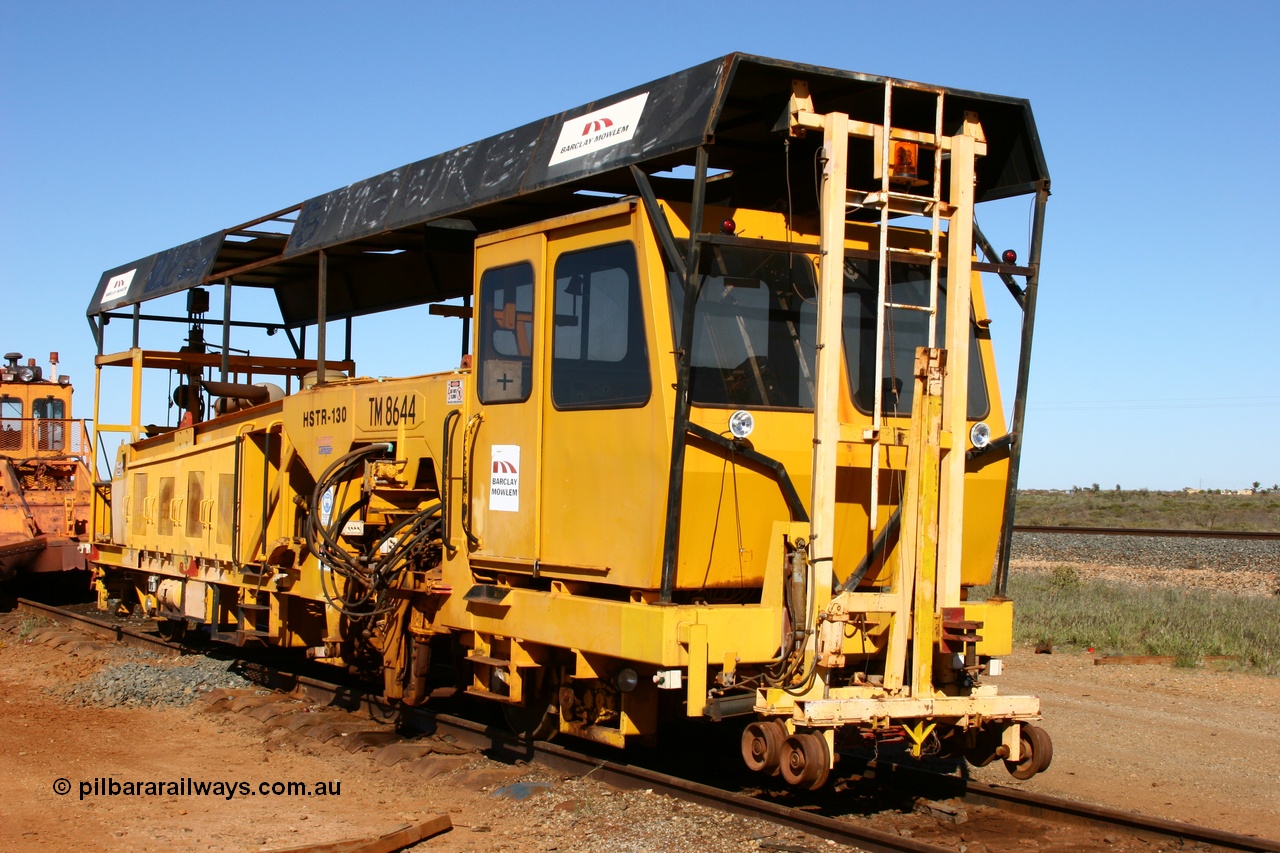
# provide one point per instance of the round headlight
(26, 373)
(626, 679)
(741, 423)
(980, 435)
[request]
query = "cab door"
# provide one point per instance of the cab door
(508, 385)
(604, 437)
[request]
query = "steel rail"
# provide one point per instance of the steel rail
(1035, 805)
(1260, 535)
(632, 777)
(505, 745)
(1030, 804)
(103, 629)
(501, 743)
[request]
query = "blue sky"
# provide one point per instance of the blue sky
(127, 128)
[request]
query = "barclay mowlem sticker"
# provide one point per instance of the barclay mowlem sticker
(117, 286)
(598, 130)
(504, 482)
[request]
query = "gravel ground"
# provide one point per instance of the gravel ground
(1224, 555)
(546, 812)
(1241, 567)
(151, 683)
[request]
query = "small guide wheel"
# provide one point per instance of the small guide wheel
(806, 762)
(1037, 753)
(762, 746)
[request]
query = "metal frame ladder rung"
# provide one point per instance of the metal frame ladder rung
(919, 253)
(889, 201)
(907, 204)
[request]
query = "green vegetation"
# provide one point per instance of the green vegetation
(1094, 507)
(1072, 612)
(31, 623)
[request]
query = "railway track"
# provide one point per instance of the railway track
(816, 818)
(1255, 535)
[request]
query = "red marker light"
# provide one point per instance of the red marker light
(728, 226)
(1009, 257)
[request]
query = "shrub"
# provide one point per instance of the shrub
(1071, 612)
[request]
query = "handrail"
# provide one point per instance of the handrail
(45, 438)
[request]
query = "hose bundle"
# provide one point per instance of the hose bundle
(372, 572)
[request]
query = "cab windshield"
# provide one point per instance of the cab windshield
(754, 328)
(906, 328)
(755, 331)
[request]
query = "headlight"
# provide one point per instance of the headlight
(626, 679)
(741, 423)
(27, 373)
(980, 435)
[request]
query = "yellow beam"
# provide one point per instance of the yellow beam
(643, 633)
(697, 681)
(826, 395)
(834, 711)
(868, 130)
(926, 434)
(135, 408)
(955, 396)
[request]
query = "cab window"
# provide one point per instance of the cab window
(600, 358)
(10, 423)
(49, 408)
(51, 430)
(506, 334)
(905, 329)
(755, 328)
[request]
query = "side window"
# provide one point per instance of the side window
(10, 423)
(506, 334)
(600, 358)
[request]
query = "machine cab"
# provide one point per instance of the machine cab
(35, 411)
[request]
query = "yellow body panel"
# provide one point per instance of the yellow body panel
(997, 626)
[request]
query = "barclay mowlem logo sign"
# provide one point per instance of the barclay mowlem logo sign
(596, 131)
(504, 482)
(117, 286)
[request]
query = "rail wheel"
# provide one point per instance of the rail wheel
(762, 746)
(806, 762)
(174, 630)
(1037, 753)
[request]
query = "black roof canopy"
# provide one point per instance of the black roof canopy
(404, 237)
